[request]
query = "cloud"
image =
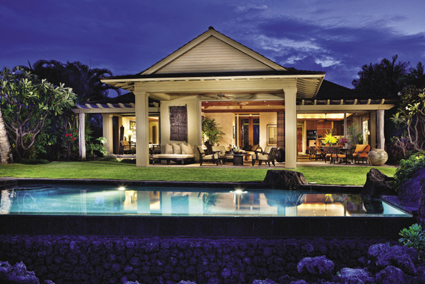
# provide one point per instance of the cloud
(333, 36)
(338, 49)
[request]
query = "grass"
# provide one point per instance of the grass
(125, 171)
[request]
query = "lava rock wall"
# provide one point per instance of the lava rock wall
(76, 259)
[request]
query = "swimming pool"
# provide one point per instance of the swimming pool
(150, 209)
(120, 200)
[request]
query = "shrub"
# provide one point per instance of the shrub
(34, 161)
(128, 161)
(408, 168)
(413, 238)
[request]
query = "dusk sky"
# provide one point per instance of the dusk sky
(129, 36)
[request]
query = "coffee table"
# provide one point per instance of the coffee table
(238, 158)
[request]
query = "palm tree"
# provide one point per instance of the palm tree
(381, 80)
(84, 80)
(416, 76)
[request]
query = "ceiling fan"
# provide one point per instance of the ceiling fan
(220, 96)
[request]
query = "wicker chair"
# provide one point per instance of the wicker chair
(223, 155)
(330, 153)
(315, 153)
(268, 156)
(207, 158)
(360, 153)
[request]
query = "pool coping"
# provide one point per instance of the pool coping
(333, 188)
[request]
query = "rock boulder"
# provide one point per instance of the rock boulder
(16, 274)
(410, 191)
(382, 255)
(316, 267)
(351, 275)
(287, 180)
(377, 184)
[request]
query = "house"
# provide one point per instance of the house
(255, 101)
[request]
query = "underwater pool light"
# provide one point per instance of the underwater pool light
(238, 191)
(121, 188)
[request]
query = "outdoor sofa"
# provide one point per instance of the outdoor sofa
(181, 153)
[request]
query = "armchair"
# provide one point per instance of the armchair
(204, 157)
(223, 155)
(361, 152)
(125, 147)
(268, 156)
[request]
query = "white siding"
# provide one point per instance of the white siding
(213, 55)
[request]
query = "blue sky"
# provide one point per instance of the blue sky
(129, 36)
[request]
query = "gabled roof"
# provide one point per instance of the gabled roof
(209, 48)
(214, 56)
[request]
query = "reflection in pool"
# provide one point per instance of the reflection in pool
(178, 201)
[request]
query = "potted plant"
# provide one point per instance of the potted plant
(212, 130)
(329, 139)
(343, 141)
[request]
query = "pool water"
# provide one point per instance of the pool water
(178, 201)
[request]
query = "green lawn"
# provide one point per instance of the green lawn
(124, 171)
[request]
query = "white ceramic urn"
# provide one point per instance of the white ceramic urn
(378, 157)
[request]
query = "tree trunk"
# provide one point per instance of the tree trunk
(4, 143)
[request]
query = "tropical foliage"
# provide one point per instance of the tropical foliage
(381, 80)
(26, 103)
(408, 168)
(354, 134)
(54, 141)
(329, 139)
(410, 117)
(212, 130)
(84, 81)
(413, 237)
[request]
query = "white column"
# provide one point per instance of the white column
(291, 128)
(345, 125)
(380, 130)
(372, 123)
(197, 116)
(82, 135)
(142, 128)
(107, 132)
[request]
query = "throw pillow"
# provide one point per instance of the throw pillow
(184, 149)
(190, 149)
(168, 149)
(177, 149)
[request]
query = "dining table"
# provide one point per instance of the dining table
(335, 150)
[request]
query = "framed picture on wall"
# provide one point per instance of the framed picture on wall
(271, 135)
(132, 131)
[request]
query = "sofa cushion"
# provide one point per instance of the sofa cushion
(187, 149)
(222, 149)
(247, 147)
(177, 149)
(254, 147)
(360, 147)
(173, 156)
(168, 149)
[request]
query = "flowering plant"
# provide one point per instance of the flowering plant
(329, 139)
(343, 140)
